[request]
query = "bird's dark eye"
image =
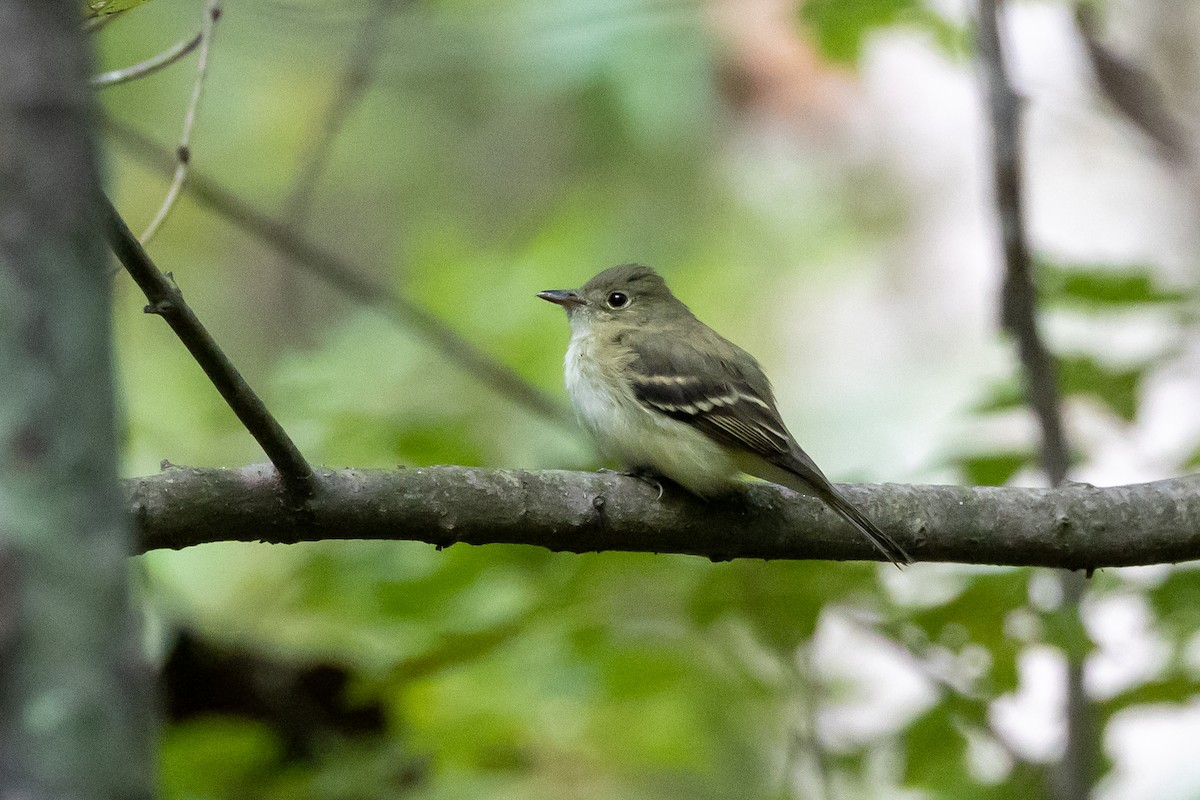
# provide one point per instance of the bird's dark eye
(618, 300)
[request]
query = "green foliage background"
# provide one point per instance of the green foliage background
(499, 149)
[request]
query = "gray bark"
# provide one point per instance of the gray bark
(1077, 526)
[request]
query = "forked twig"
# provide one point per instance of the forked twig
(166, 300)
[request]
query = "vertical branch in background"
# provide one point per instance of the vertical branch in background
(1019, 296)
(76, 712)
(1077, 768)
(183, 154)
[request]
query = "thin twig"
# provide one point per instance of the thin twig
(101, 21)
(1133, 91)
(350, 281)
(355, 78)
(183, 153)
(148, 67)
(1076, 770)
(166, 300)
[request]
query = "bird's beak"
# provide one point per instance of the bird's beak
(567, 298)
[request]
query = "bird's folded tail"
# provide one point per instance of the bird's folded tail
(884, 543)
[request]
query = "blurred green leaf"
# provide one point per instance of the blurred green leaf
(938, 756)
(1193, 460)
(1116, 388)
(1000, 396)
(976, 616)
(841, 26)
(352, 771)
(1176, 603)
(934, 751)
(1063, 628)
(1098, 288)
(994, 469)
(216, 757)
(1175, 689)
(781, 600)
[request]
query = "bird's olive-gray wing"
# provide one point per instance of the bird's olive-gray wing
(711, 393)
(733, 405)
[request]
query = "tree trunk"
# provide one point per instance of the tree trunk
(75, 710)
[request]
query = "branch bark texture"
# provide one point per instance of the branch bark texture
(1076, 526)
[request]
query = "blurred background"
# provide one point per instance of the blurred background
(813, 179)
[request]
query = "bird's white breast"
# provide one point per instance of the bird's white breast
(639, 437)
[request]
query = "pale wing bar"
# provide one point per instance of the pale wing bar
(723, 410)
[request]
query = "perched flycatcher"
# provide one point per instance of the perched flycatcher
(665, 394)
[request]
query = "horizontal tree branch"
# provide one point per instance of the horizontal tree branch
(1077, 526)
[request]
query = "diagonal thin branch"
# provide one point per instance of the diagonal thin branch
(1075, 526)
(99, 23)
(356, 77)
(345, 278)
(148, 67)
(1076, 771)
(183, 153)
(167, 301)
(1133, 91)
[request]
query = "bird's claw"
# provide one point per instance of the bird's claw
(644, 477)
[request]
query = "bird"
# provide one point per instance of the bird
(666, 395)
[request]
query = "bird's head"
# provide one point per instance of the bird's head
(629, 293)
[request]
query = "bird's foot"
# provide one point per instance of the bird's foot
(642, 475)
